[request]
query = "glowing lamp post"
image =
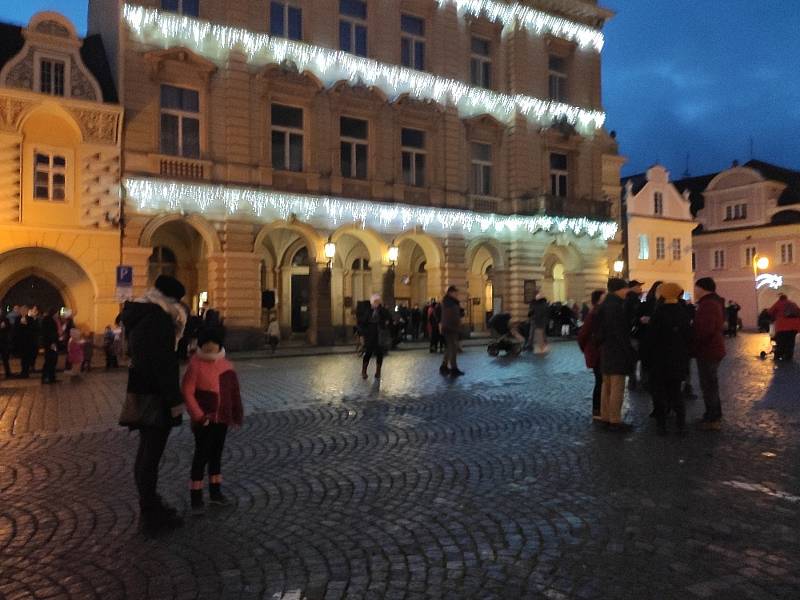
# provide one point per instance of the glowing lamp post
(330, 252)
(619, 266)
(393, 253)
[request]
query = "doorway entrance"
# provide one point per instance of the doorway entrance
(34, 291)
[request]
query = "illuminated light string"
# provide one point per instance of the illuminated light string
(156, 195)
(530, 19)
(216, 42)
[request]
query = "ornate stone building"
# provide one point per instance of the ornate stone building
(315, 152)
(60, 130)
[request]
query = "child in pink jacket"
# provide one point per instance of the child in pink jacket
(211, 391)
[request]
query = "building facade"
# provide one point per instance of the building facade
(659, 224)
(299, 156)
(746, 213)
(60, 131)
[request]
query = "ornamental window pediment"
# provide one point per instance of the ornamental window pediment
(484, 128)
(179, 64)
(286, 80)
(357, 96)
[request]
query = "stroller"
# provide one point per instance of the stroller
(503, 338)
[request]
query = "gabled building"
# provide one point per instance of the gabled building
(60, 134)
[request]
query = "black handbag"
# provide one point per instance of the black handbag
(143, 410)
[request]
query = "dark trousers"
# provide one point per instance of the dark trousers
(152, 441)
(451, 350)
(49, 368)
(28, 360)
(596, 393)
(369, 352)
(784, 345)
(667, 395)
(709, 385)
(208, 444)
(111, 360)
(5, 354)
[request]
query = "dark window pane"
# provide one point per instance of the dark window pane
(419, 165)
(41, 193)
(58, 179)
(190, 100)
(278, 150)
(191, 138)
(481, 152)
(42, 178)
(412, 138)
(59, 161)
(276, 25)
(295, 23)
(44, 76)
(353, 128)
(295, 152)
(169, 134)
(405, 52)
(170, 5)
(487, 74)
(58, 78)
(419, 55)
(361, 40)
(487, 180)
(558, 64)
(562, 185)
(58, 193)
(345, 36)
(346, 151)
(480, 46)
(42, 159)
(170, 97)
(413, 25)
(287, 116)
(353, 8)
(475, 71)
(361, 161)
(407, 178)
(558, 161)
(191, 8)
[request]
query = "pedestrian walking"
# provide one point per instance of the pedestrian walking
(708, 348)
(786, 316)
(616, 352)
(644, 311)
(434, 314)
(666, 345)
(587, 342)
(450, 328)
(26, 340)
(108, 348)
(375, 328)
(5, 343)
(273, 334)
(49, 336)
(732, 317)
(213, 399)
(540, 315)
(153, 325)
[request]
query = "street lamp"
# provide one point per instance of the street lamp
(619, 266)
(330, 252)
(393, 253)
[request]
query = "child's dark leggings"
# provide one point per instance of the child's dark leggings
(208, 444)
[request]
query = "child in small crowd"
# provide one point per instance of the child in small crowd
(75, 352)
(88, 352)
(211, 391)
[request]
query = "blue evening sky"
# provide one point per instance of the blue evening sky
(701, 77)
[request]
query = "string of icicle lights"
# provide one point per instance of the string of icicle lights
(157, 195)
(535, 21)
(215, 42)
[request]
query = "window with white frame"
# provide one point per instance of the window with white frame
(749, 256)
(558, 78)
(558, 174)
(353, 26)
(287, 137)
(719, 259)
(644, 246)
(285, 20)
(52, 74)
(787, 253)
(480, 63)
(190, 8)
(413, 156)
(735, 212)
(676, 248)
(354, 147)
(658, 203)
(412, 42)
(180, 121)
(661, 250)
(49, 176)
(481, 175)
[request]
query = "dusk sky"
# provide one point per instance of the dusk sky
(680, 76)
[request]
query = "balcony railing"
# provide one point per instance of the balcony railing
(183, 168)
(560, 206)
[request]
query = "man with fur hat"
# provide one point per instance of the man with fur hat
(153, 324)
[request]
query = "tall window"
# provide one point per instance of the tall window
(661, 251)
(644, 247)
(658, 203)
(558, 78)
(353, 26)
(480, 64)
(285, 20)
(735, 212)
(413, 156)
(676, 248)
(787, 253)
(412, 42)
(361, 279)
(51, 76)
(719, 259)
(558, 174)
(49, 176)
(749, 256)
(354, 147)
(287, 138)
(481, 176)
(180, 122)
(190, 8)
(161, 262)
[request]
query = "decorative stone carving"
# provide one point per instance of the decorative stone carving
(97, 126)
(81, 87)
(10, 111)
(53, 28)
(21, 75)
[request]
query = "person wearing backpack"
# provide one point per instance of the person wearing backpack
(786, 316)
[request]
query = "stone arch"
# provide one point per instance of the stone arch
(412, 284)
(197, 222)
(483, 261)
(434, 251)
(52, 110)
(376, 245)
(490, 246)
(560, 263)
(312, 237)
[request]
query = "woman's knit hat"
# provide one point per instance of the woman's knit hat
(669, 293)
(170, 287)
(211, 334)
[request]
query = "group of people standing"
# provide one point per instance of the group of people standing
(664, 333)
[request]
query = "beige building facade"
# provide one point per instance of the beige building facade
(60, 134)
(291, 158)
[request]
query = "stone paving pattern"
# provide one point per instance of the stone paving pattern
(495, 485)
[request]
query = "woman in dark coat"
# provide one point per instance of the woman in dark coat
(667, 342)
(374, 324)
(153, 326)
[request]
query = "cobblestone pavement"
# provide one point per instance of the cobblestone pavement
(495, 485)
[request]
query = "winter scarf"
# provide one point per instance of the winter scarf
(170, 306)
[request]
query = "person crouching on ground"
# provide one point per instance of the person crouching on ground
(374, 326)
(211, 392)
(666, 346)
(617, 353)
(591, 350)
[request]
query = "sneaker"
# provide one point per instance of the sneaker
(710, 425)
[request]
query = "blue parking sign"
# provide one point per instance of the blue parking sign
(124, 276)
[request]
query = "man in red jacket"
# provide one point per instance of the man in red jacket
(786, 316)
(708, 347)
